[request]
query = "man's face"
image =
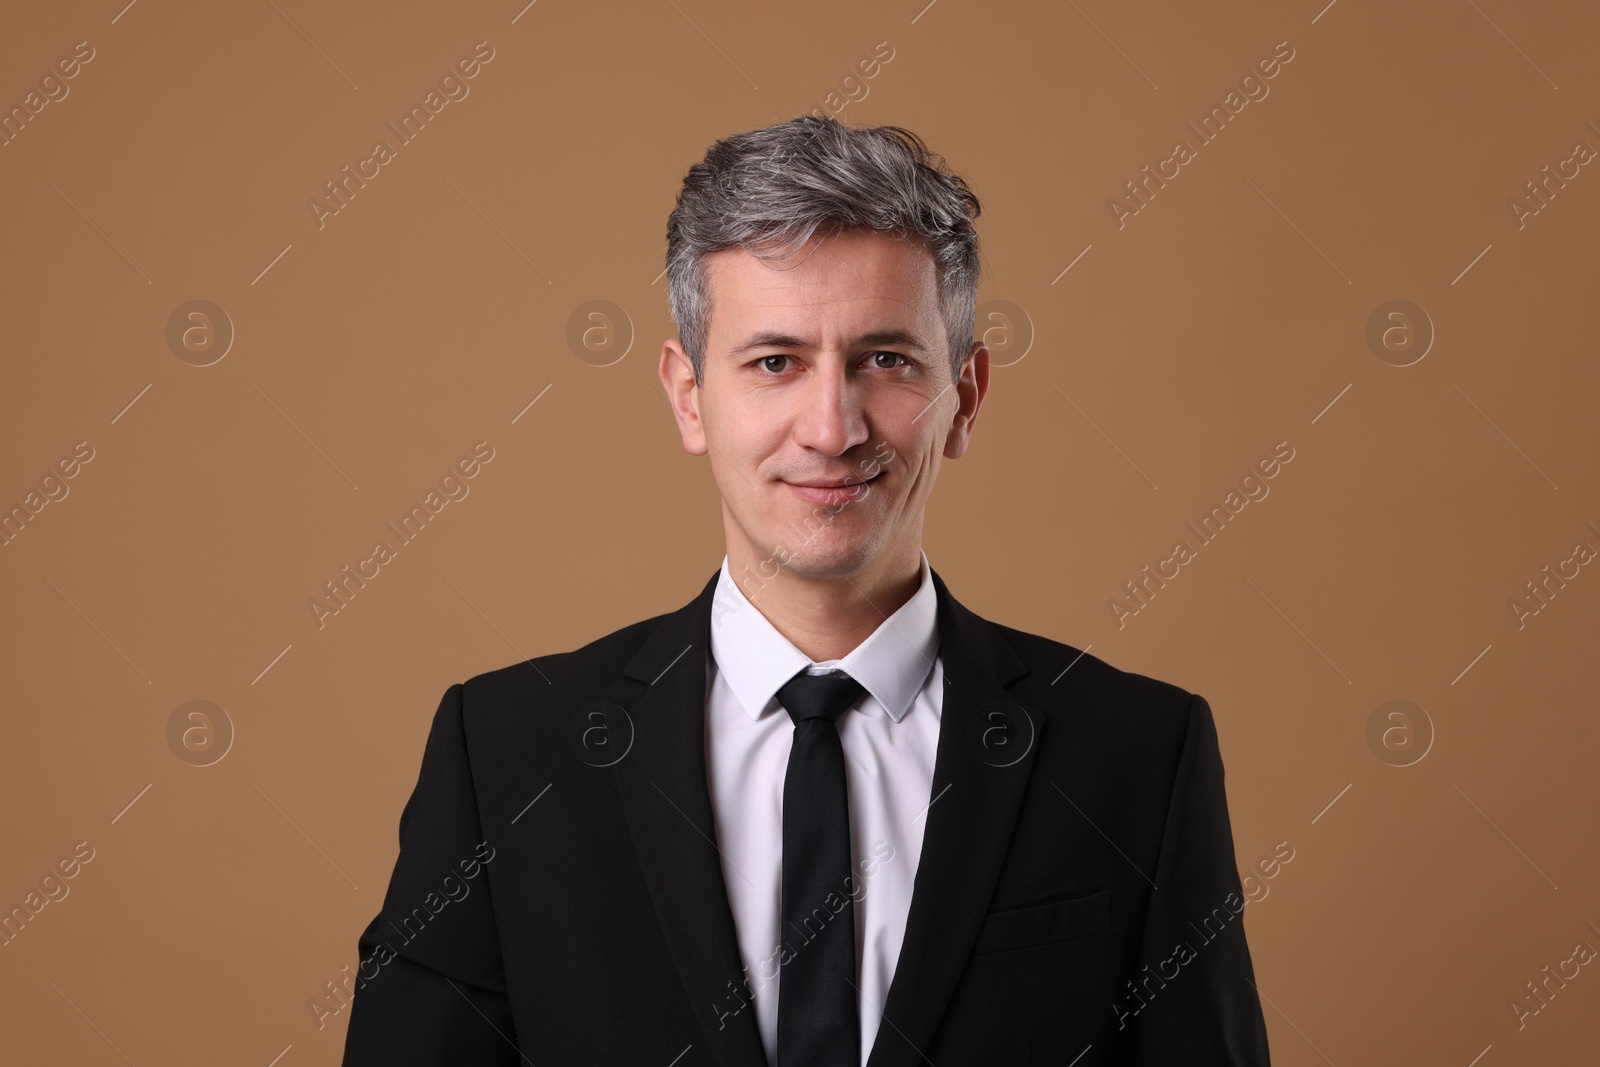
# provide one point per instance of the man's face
(825, 369)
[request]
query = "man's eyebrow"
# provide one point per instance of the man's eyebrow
(779, 339)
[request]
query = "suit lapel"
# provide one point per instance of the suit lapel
(987, 741)
(664, 791)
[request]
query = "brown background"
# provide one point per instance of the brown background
(371, 353)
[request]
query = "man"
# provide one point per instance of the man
(823, 815)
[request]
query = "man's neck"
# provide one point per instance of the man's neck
(826, 618)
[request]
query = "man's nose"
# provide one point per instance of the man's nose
(830, 419)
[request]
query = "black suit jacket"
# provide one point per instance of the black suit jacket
(558, 897)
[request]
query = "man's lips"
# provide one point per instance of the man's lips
(837, 493)
(835, 484)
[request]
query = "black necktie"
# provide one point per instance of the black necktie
(818, 1022)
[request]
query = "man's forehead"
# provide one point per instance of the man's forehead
(853, 293)
(740, 324)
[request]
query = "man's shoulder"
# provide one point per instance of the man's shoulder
(1084, 671)
(1065, 681)
(600, 660)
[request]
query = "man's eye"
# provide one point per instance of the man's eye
(766, 363)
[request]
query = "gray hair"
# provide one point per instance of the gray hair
(770, 190)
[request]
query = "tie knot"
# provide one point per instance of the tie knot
(818, 696)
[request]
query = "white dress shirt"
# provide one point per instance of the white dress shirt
(890, 735)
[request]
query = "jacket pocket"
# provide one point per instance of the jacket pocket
(1041, 924)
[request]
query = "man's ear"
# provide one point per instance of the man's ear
(677, 381)
(971, 388)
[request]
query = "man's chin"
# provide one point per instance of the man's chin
(838, 559)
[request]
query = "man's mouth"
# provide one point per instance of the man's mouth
(831, 491)
(843, 483)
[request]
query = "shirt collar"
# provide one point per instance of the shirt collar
(756, 660)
